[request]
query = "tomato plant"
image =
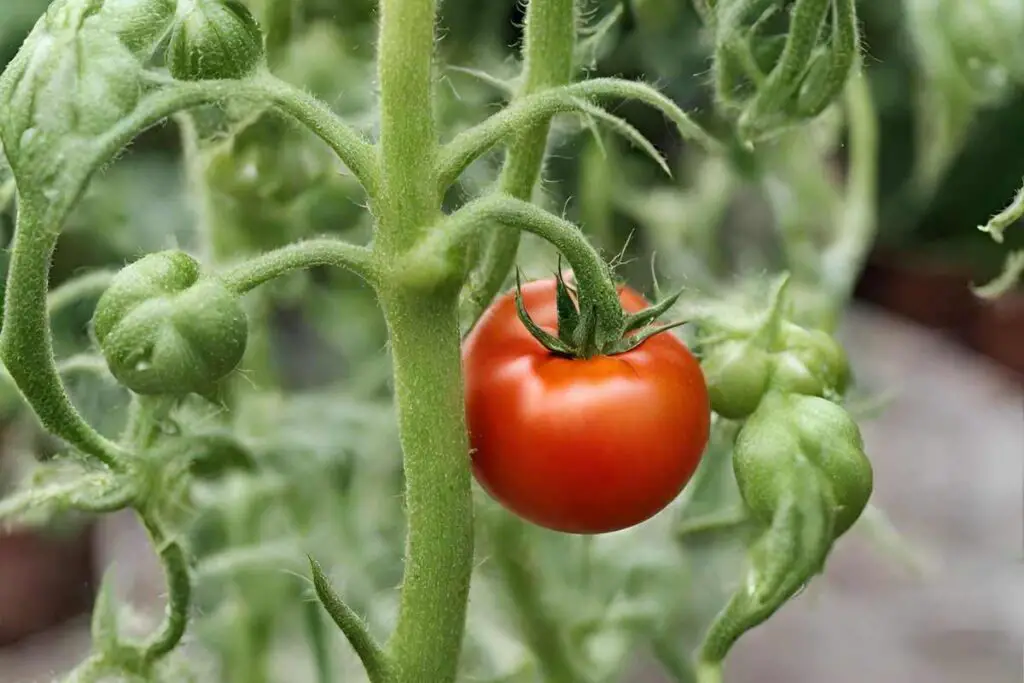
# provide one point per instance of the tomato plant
(300, 371)
(584, 445)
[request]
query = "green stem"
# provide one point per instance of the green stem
(326, 251)
(374, 659)
(720, 520)
(844, 259)
(424, 335)
(548, 49)
(350, 146)
(512, 558)
(709, 672)
(408, 138)
(1012, 213)
(71, 292)
(26, 343)
(590, 271)
(198, 190)
(179, 592)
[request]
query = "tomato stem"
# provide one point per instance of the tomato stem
(549, 41)
(439, 552)
(409, 200)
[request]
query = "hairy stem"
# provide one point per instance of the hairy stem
(326, 251)
(590, 271)
(549, 44)
(179, 593)
(439, 550)
(352, 626)
(843, 260)
(424, 335)
(26, 342)
(71, 292)
(408, 142)
(513, 561)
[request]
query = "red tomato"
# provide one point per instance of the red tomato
(580, 446)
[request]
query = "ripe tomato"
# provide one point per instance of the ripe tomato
(580, 445)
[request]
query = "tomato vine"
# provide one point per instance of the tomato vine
(94, 74)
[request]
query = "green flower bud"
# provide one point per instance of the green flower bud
(214, 39)
(810, 362)
(140, 24)
(737, 375)
(791, 429)
(165, 330)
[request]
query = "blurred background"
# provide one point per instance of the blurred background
(942, 369)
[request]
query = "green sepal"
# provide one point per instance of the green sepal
(635, 321)
(568, 315)
(585, 337)
(547, 340)
(633, 341)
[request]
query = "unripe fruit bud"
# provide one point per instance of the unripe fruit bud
(140, 24)
(215, 39)
(165, 330)
(811, 362)
(795, 431)
(737, 375)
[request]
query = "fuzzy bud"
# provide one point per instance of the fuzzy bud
(163, 329)
(215, 39)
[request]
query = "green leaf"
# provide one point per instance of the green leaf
(830, 68)
(505, 88)
(568, 315)
(594, 41)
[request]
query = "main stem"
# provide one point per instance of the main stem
(408, 140)
(424, 335)
(549, 42)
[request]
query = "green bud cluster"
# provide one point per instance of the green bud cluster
(740, 370)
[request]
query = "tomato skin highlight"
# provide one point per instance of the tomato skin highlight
(580, 445)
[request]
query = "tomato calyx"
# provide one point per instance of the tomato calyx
(577, 333)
